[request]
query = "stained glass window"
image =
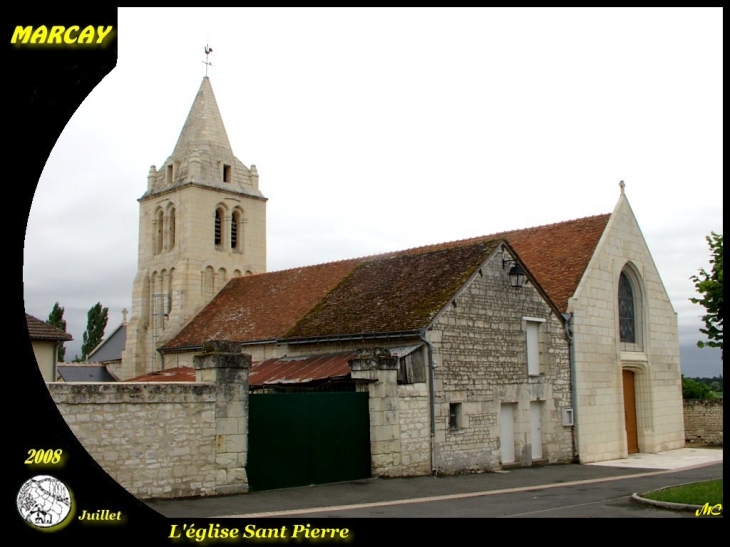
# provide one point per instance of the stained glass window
(626, 311)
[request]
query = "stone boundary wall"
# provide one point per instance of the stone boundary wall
(168, 440)
(415, 429)
(156, 440)
(703, 421)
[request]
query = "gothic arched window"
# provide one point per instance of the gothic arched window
(630, 310)
(626, 310)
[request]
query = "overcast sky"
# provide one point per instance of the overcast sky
(376, 130)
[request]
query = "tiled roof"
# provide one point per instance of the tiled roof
(262, 307)
(40, 330)
(557, 254)
(384, 293)
(401, 292)
(393, 292)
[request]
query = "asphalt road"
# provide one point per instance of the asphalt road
(557, 491)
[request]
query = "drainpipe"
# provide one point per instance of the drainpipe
(54, 372)
(571, 360)
(422, 336)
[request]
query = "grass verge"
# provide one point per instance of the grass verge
(697, 493)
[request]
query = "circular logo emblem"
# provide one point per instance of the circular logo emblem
(44, 501)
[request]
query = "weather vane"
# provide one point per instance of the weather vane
(208, 51)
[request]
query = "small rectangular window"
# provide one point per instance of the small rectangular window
(533, 348)
(226, 173)
(455, 415)
(567, 416)
(169, 174)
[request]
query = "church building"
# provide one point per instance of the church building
(202, 221)
(547, 344)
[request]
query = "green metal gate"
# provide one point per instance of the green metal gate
(299, 439)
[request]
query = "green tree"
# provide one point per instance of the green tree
(709, 286)
(95, 325)
(55, 319)
(692, 389)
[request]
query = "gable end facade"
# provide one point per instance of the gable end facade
(623, 321)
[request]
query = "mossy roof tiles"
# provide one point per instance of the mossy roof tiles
(393, 292)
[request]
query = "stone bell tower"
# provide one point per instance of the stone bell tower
(202, 221)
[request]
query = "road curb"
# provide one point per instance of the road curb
(665, 504)
(668, 504)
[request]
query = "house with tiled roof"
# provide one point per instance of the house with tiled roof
(544, 344)
(45, 340)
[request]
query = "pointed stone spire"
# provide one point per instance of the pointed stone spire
(184, 254)
(204, 129)
(203, 153)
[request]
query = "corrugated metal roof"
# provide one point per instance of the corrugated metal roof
(309, 368)
(300, 370)
(177, 374)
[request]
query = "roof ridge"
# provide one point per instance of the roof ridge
(302, 267)
(386, 254)
(551, 224)
(435, 246)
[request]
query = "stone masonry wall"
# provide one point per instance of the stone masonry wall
(411, 406)
(399, 424)
(156, 440)
(415, 431)
(480, 351)
(180, 272)
(163, 440)
(703, 421)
